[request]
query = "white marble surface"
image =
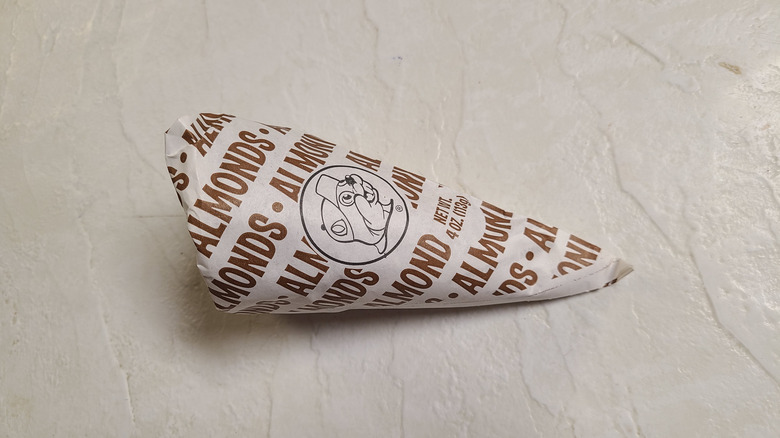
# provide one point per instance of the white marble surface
(649, 126)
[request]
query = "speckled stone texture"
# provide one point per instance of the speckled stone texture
(649, 126)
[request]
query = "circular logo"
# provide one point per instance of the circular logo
(352, 215)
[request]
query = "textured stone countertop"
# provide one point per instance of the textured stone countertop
(650, 126)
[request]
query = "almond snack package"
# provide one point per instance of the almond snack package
(286, 222)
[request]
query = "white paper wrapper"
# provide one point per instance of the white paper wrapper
(286, 222)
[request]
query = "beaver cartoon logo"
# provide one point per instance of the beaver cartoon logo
(351, 215)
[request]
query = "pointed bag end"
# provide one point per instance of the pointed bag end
(621, 270)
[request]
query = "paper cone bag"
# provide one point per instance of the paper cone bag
(286, 222)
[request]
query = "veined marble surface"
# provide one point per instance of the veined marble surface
(649, 126)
